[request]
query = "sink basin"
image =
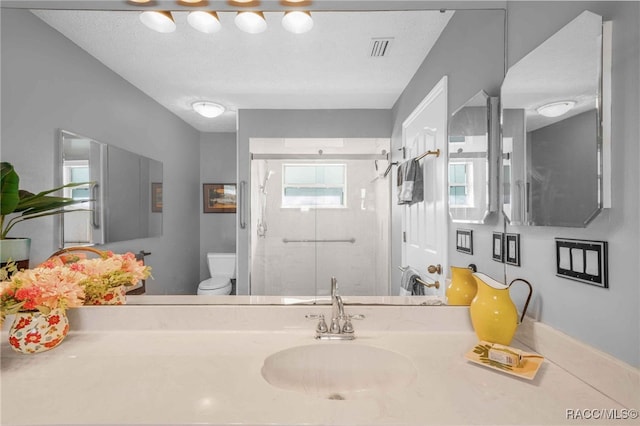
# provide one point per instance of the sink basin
(336, 369)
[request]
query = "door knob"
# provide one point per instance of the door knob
(433, 269)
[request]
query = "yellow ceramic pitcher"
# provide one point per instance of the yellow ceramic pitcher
(462, 288)
(493, 314)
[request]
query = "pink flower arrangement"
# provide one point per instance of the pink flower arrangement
(102, 273)
(41, 289)
(67, 281)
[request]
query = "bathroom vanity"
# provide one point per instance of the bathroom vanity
(185, 364)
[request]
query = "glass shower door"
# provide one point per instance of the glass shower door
(313, 218)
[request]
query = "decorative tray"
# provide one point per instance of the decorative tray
(527, 368)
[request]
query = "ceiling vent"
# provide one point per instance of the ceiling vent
(380, 46)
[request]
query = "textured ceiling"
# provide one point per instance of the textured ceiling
(329, 67)
(565, 67)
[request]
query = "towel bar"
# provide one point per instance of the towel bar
(350, 240)
(435, 284)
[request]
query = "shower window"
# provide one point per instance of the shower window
(314, 185)
(460, 184)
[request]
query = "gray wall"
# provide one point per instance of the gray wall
(297, 124)
(470, 52)
(217, 165)
(49, 83)
(605, 318)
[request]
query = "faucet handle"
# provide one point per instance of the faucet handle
(348, 326)
(322, 324)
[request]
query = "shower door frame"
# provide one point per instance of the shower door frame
(319, 288)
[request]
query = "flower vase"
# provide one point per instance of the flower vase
(113, 296)
(33, 331)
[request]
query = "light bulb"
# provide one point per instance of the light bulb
(251, 22)
(206, 22)
(158, 20)
(297, 21)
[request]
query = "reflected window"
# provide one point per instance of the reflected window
(77, 171)
(314, 185)
(460, 184)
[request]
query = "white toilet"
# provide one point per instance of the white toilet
(222, 267)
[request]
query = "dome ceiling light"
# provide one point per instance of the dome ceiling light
(555, 109)
(208, 109)
(297, 21)
(158, 20)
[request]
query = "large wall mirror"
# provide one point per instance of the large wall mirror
(425, 44)
(552, 135)
(123, 201)
(473, 153)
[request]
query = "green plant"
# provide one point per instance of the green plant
(24, 205)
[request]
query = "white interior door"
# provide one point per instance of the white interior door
(424, 224)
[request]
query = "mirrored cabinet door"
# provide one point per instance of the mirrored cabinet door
(552, 129)
(472, 164)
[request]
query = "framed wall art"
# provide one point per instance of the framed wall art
(156, 197)
(219, 197)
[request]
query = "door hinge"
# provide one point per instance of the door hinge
(404, 237)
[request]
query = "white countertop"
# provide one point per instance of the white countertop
(201, 369)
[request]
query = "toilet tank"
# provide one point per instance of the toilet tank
(222, 264)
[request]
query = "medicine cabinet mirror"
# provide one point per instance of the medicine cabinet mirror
(552, 129)
(124, 201)
(473, 155)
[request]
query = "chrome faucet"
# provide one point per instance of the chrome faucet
(337, 307)
(337, 330)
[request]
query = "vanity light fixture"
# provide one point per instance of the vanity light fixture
(206, 22)
(208, 109)
(158, 20)
(555, 109)
(251, 22)
(297, 21)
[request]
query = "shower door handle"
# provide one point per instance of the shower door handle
(241, 206)
(95, 214)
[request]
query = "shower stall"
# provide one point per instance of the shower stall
(319, 208)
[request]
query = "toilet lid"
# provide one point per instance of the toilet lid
(214, 283)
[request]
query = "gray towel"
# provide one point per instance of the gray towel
(409, 283)
(410, 182)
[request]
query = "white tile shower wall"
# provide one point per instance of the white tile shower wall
(305, 268)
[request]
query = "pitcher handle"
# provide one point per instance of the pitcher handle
(526, 305)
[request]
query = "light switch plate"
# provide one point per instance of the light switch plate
(582, 260)
(512, 249)
(464, 241)
(498, 247)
